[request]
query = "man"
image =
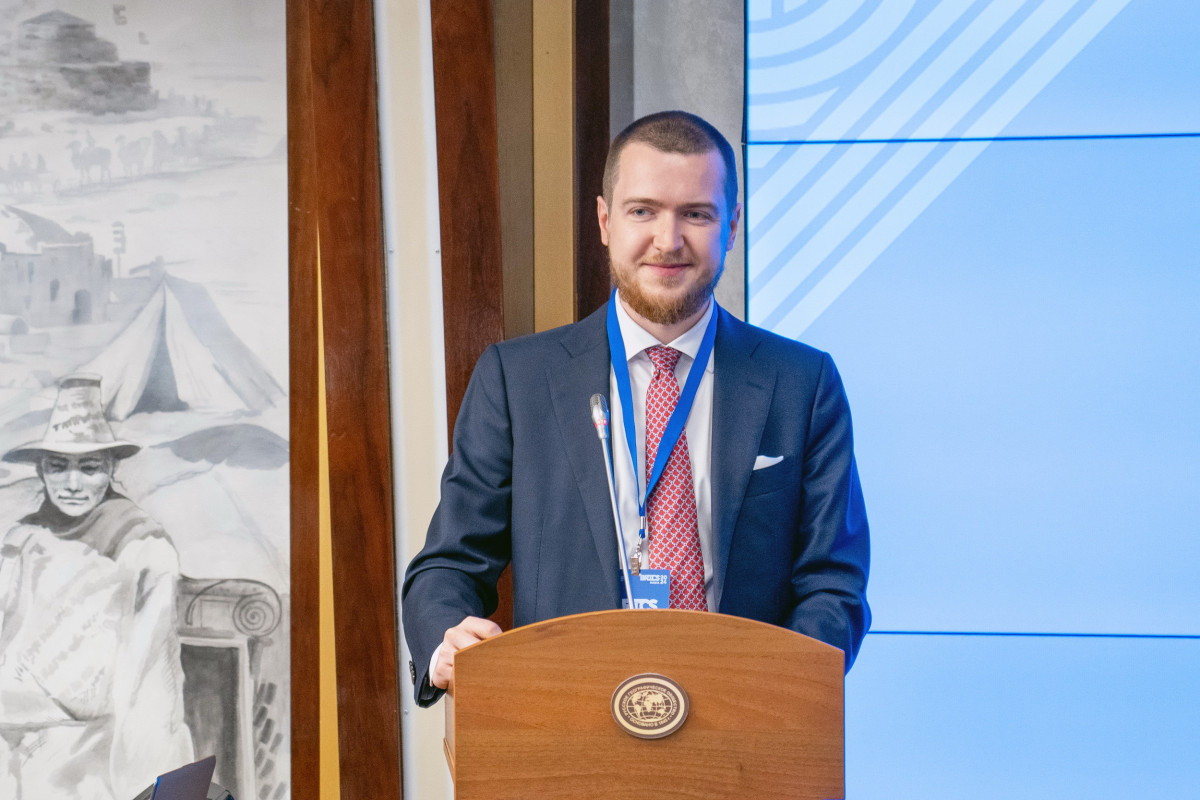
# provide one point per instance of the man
(91, 687)
(758, 510)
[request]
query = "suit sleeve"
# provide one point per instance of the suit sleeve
(829, 577)
(469, 542)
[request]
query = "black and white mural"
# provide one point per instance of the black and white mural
(144, 487)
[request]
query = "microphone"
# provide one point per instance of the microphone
(599, 407)
(600, 415)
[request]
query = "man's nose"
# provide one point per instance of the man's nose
(74, 480)
(668, 236)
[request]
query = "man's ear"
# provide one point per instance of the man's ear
(734, 220)
(602, 217)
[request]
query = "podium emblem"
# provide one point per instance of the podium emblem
(650, 706)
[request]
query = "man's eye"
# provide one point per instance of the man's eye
(640, 212)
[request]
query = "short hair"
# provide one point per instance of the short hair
(673, 132)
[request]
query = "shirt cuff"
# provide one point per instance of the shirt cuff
(433, 661)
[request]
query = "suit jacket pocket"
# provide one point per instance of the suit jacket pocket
(773, 478)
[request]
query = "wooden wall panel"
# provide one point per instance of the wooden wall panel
(302, 392)
(464, 80)
(469, 187)
(591, 149)
(337, 226)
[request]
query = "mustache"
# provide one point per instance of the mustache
(678, 257)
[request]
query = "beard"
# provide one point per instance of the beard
(662, 310)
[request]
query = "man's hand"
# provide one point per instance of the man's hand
(465, 633)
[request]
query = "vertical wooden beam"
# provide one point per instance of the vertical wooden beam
(337, 224)
(304, 403)
(464, 86)
(591, 149)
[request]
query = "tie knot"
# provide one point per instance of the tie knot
(664, 358)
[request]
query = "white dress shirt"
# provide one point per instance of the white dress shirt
(698, 431)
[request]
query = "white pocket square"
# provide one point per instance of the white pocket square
(766, 461)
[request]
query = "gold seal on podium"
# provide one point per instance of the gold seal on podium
(650, 706)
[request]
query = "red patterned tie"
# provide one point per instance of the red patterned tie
(671, 509)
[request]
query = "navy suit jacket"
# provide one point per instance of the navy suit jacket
(525, 483)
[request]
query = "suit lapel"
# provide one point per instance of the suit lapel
(742, 393)
(572, 382)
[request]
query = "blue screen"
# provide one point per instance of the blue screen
(987, 213)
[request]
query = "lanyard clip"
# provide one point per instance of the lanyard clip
(635, 554)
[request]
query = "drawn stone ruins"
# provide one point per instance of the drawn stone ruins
(58, 62)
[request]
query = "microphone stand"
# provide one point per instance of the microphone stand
(600, 419)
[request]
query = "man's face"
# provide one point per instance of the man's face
(76, 484)
(667, 231)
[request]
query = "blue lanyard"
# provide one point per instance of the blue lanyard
(616, 347)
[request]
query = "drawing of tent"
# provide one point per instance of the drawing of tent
(180, 354)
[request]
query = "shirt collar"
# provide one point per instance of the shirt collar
(637, 339)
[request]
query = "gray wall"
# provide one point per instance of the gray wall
(689, 55)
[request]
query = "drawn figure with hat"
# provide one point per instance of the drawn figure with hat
(91, 687)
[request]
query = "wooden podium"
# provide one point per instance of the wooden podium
(532, 711)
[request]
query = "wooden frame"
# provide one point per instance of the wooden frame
(302, 391)
(336, 236)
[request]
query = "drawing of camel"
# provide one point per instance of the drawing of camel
(85, 159)
(132, 155)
